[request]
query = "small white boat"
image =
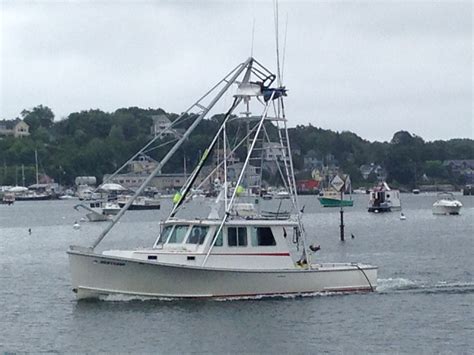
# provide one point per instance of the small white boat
(446, 204)
(282, 195)
(100, 211)
(8, 198)
(234, 251)
(197, 194)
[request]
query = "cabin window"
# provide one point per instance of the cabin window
(262, 236)
(237, 237)
(197, 235)
(220, 240)
(178, 234)
(165, 234)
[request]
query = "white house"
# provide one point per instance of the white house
(161, 125)
(16, 128)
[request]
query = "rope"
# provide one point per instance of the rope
(363, 272)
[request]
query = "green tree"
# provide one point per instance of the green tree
(39, 116)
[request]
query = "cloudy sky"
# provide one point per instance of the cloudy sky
(372, 67)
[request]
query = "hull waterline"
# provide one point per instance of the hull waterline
(446, 210)
(331, 202)
(136, 207)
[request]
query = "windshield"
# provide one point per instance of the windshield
(197, 235)
(178, 234)
(164, 234)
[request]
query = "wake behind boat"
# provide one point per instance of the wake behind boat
(235, 251)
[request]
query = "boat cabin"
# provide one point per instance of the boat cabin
(384, 199)
(243, 244)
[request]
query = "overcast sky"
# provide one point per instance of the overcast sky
(369, 67)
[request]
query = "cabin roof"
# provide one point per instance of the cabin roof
(235, 222)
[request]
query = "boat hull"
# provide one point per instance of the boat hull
(34, 198)
(136, 207)
(446, 210)
(97, 217)
(380, 209)
(332, 202)
(95, 275)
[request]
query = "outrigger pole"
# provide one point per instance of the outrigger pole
(203, 160)
(170, 128)
(173, 150)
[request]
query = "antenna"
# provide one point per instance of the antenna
(253, 36)
(284, 49)
(275, 15)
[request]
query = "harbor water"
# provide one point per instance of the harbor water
(423, 303)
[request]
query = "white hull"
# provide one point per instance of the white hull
(95, 275)
(446, 210)
(447, 205)
(97, 217)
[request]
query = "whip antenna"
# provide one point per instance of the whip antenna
(284, 49)
(253, 36)
(275, 15)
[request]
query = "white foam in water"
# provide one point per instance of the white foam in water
(394, 284)
(282, 296)
(384, 285)
(130, 298)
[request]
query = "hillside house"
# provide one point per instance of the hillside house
(312, 161)
(17, 128)
(162, 125)
(368, 169)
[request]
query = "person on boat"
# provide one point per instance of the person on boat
(197, 236)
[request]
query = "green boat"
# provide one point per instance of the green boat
(332, 198)
(335, 202)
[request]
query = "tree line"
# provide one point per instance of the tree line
(95, 143)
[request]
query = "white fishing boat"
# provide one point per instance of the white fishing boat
(228, 253)
(99, 211)
(282, 195)
(384, 199)
(446, 204)
(8, 198)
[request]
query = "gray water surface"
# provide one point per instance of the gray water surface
(424, 302)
